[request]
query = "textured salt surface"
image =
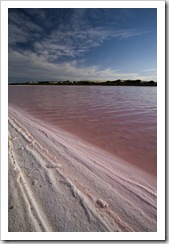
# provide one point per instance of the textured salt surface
(57, 183)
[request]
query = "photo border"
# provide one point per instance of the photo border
(160, 234)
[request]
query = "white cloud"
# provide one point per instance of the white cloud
(150, 70)
(31, 66)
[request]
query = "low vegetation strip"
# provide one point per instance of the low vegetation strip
(91, 83)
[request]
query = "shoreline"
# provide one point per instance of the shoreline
(71, 186)
(71, 139)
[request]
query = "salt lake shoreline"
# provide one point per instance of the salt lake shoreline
(59, 184)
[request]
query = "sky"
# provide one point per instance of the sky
(82, 44)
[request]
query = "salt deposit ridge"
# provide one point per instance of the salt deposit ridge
(59, 183)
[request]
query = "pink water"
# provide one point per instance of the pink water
(120, 120)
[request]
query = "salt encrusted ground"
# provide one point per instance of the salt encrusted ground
(59, 183)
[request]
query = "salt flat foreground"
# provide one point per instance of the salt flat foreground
(59, 183)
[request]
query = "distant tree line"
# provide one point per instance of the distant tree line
(92, 83)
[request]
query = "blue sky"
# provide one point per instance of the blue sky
(82, 44)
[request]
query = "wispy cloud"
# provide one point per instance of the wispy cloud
(150, 70)
(48, 44)
(73, 43)
(22, 29)
(69, 40)
(29, 64)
